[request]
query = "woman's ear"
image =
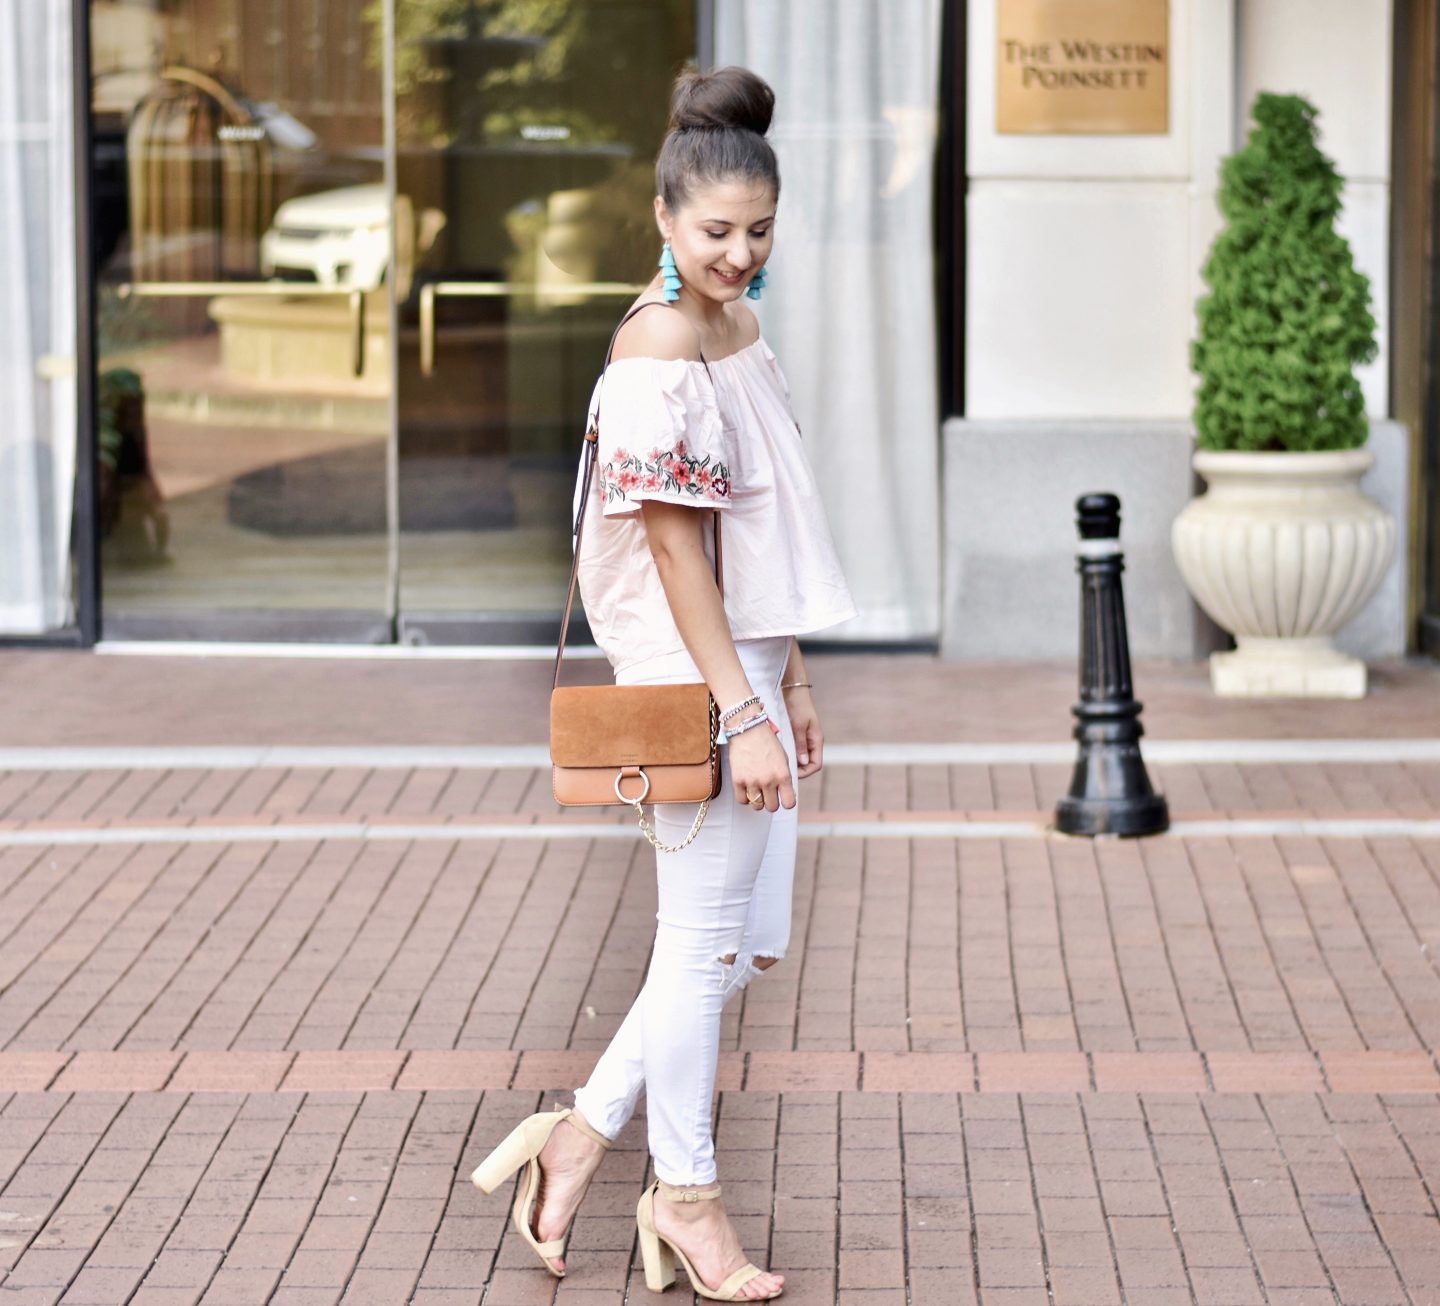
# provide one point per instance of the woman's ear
(662, 217)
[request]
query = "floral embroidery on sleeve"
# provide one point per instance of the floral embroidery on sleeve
(673, 470)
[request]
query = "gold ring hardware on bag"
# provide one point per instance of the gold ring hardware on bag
(629, 773)
(664, 734)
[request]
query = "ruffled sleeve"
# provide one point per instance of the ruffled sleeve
(661, 436)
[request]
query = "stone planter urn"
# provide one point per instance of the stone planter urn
(1281, 551)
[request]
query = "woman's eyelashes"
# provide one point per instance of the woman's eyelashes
(720, 235)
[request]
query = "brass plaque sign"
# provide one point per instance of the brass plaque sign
(1073, 66)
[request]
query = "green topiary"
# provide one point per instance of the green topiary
(1288, 316)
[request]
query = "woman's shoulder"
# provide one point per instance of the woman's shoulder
(667, 336)
(672, 336)
(749, 324)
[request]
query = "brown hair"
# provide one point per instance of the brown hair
(717, 132)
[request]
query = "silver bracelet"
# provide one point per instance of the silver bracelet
(748, 724)
(738, 707)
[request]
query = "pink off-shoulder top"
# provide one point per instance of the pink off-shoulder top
(727, 439)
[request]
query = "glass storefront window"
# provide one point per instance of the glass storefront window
(356, 264)
(242, 230)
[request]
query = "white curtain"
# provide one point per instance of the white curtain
(37, 316)
(849, 307)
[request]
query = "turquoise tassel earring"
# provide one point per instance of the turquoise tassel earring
(670, 291)
(757, 284)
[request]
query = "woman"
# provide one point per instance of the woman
(697, 415)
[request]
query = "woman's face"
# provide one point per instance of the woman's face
(720, 237)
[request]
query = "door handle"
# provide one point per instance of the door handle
(288, 289)
(430, 290)
(51, 367)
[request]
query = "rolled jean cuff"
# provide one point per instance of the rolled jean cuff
(599, 1118)
(706, 1175)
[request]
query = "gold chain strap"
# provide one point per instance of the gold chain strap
(650, 834)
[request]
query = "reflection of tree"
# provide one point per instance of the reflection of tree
(442, 60)
(473, 76)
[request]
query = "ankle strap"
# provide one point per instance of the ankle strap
(674, 1194)
(586, 1128)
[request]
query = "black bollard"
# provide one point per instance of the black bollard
(1110, 792)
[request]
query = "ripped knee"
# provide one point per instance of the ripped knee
(739, 969)
(760, 963)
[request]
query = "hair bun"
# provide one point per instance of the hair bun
(729, 97)
(717, 132)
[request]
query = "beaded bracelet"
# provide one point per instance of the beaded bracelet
(738, 707)
(748, 724)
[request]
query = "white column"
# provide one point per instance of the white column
(1083, 250)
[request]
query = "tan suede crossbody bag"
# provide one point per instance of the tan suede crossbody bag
(631, 744)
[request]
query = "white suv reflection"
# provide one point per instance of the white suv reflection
(340, 237)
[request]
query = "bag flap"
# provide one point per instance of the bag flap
(630, 725)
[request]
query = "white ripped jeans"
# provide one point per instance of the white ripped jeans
(728, 892)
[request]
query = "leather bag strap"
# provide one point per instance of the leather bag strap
(592, 440)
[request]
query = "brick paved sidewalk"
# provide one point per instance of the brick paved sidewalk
(240, 1063)
(61, 697)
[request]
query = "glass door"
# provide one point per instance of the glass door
(242, 229)
(526, 134)
(276, 187)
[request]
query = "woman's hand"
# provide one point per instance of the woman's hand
(809, 740)
(759, 764)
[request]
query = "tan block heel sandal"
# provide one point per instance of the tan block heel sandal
(522, 1147)
(659, 1253)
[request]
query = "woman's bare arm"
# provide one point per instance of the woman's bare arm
(758, 762)
(804, 720)
(688, 577)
